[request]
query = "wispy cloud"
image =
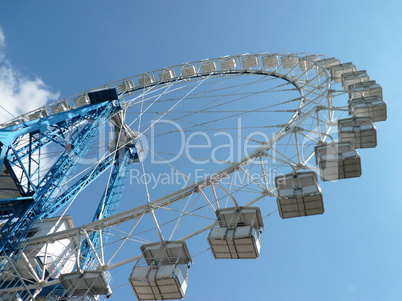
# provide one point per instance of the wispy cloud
(19, 93)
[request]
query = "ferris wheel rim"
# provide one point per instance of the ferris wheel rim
(323, 72)
(141, 210)
(179, 194)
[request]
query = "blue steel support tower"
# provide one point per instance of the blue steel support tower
(31, 191)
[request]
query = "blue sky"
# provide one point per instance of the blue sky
(54, 49)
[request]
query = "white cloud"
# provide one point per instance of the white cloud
(18, 93)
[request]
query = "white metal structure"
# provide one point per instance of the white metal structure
(162, 273)
(86, 283)
(298, 194)
(211, 136)
(359, 132)
(337, 161)
(372, 107)
(238, 233)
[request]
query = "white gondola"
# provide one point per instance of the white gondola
(337, 71)
(354, 77)
(237, 234)
(337, 161)
(188, 70)
(61, 107)
(127, 85)
(359, 132)
(307, 62)
(86, 283)
(250, 61)
(270, 61)
(14, 122)
(208, 66)
(162, 273)
(147, 79)
(298, 194)
(329, 62)
(228, 63)
(41, 113)
(365, 89)
(167, 74)
(290, 61)
(371, 107)
(82, 100)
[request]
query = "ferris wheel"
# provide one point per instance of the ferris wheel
(205, 151)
